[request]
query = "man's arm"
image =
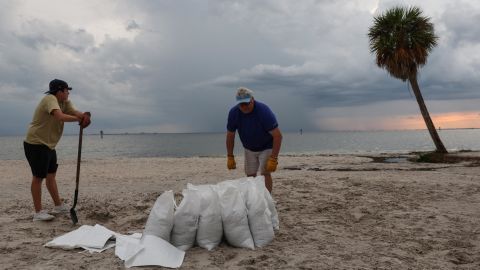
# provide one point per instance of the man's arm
(59, 115)
(78, 114)
(230, 142)
(277, 142)
(231, 164)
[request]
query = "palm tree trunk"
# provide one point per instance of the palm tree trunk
(426, 116)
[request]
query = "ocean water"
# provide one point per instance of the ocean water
(213, 144)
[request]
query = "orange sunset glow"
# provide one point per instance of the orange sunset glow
(444, 121)
(403, 122)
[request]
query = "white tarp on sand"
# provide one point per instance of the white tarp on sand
(92, 238)
(133, 249)
(156, 251)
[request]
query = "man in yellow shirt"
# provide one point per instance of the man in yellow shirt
(43, 134)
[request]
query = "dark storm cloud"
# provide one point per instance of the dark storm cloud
(174, 66)
(322, 89)
(38, 34)
(373, 86)
(459, 21)
(132, 26)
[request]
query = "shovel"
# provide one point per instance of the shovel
(73, 214)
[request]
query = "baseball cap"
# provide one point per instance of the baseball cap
(243, 95)
(57, 85)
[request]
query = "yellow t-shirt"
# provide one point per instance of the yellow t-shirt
(44, 128)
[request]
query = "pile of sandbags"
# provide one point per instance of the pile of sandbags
(242, 210)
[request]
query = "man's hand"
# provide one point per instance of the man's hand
(231, 162)
(85, 122)
(272, 164)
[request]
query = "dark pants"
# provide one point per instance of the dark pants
(42, 159)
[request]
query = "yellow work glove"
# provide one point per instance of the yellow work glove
(271, 164)
(231, 162)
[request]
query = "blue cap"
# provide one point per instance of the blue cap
(243, 95)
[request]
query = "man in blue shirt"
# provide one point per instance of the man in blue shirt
(259, 134)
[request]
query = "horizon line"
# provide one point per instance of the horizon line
(288, 131)
(210, 132)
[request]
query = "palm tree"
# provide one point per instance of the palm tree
(401, 38)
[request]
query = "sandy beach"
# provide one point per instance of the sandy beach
(336, 212)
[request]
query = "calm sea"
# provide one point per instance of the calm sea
(213, 144)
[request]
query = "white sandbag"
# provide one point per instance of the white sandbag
(260, 182)
(160, 220)
(210, 228)
(259, 216)
(234, 217)
(273, 210)
(185, 222)
(241, 184)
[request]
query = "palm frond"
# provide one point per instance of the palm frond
(402, 38)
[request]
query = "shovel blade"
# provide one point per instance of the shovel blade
(73, 216)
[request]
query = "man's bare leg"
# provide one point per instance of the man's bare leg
(52, 188)
(268, 182)
(36, 189)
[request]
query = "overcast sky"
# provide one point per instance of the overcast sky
(174, 66)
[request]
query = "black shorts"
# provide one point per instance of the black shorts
(42, 159)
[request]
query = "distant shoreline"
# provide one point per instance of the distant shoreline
(217, 132)
(213, 144)
(316, 131)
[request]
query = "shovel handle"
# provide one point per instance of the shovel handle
(79, 157)
(73, 214)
